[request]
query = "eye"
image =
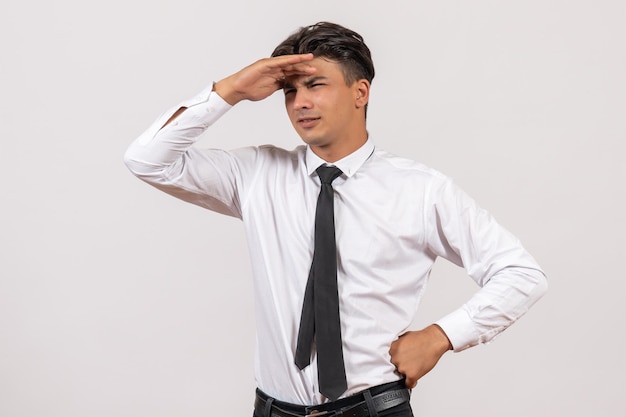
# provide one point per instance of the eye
(316, 85)
(288, 91)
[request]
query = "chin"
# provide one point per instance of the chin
(314, 142)
(313, 139)
(308, 139)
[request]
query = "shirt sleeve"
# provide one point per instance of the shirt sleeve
(511, 281)
(163, 156)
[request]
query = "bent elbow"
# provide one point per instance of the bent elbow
(131, 161)
(140, 167)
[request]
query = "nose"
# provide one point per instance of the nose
(302, 99)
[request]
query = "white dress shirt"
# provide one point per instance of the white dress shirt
(393, 217)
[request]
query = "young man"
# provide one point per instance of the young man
(332, 332)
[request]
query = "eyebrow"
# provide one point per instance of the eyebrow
(307, 83)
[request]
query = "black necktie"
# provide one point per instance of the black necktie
(320, 310)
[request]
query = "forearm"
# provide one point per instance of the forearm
(172, 134)
(510, 279)
(506, 297)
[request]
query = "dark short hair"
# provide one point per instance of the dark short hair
(335, 43)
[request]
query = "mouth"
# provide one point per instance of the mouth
(308, 122)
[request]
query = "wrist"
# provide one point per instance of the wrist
(227, 92)
(442, 338)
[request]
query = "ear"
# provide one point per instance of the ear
(362, 93)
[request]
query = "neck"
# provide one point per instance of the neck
(336, 151)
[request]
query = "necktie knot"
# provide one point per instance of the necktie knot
(328, 174)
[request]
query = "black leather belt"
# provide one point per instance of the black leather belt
(382, 397)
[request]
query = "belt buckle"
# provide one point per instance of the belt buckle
(315, 413)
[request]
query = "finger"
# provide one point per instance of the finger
(304, 72)
(285, 60)
(291, 65)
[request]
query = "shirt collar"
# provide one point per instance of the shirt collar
(348, 164)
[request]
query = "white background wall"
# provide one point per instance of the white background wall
(117, 300)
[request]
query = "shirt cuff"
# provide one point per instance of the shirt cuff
(460, 330)
(206, 106)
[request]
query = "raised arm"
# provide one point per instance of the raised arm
(163, 154)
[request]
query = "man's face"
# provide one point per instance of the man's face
(325, 112)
